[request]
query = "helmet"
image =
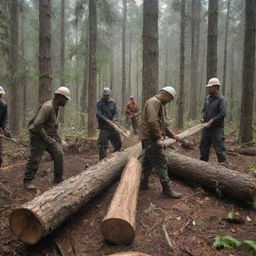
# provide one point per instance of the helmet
(2, 90)
(131, 97)
(170, 90)
(63, 91)
(213, 81)
(106, 91)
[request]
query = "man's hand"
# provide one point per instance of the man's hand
(49, 140)
(202, 120)
(176, 137)
(160, 142)
(210, 123)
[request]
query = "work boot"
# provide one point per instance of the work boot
(171, 194)
(29, 186)
(58, 179)
(168, 192)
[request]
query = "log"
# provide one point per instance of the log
(129, 254)
(43, 214)
(118, 226)
(216, 178)
(244, 151)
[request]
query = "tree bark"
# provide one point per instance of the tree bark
(45, 54)
(195, 44)
(225, 50)
(62, 54)
(92, 85)
(180, 122)
(37, 218)
(246, 117)
(150, 50)
(118, 226)
(220, 180)
(212, 39)
(124, 22)
(14, 67)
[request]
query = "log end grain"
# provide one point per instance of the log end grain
(117, 231)
(26, 225)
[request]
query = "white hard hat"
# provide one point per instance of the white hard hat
(213, 81)
(63, 91)
(170, 90)
(2, 90)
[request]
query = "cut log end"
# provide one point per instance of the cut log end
(117, 231)
(26, 225)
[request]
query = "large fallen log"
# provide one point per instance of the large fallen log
(129, 254)
(216, 178)
(44, 213)
(118, 226)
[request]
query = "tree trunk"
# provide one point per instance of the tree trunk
(180, 122)
(45, 55)
(118, 226)
(150, 50)
(62, 53)
(245, 132)
(23, 66)
(195, 44)
(92, 85)
(14, 67)
(124, 21)
(220, 180)
(130, 66)
(212, 39)
(37, 218)
(225, 50)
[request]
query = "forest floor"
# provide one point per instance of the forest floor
(192, 222)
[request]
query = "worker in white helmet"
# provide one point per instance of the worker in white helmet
(44, 136)
(214, 112)
(153, 132)
(3, 122)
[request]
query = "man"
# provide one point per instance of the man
(3, 122)
(153, 132)
(131, 111)
(44, 136)
(214, 112)
(107, 114)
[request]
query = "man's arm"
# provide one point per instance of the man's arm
(99, 113)
(153, 109)
(5, 123)
(38, 124)
(222, 110)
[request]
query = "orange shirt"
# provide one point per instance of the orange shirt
(131, 108)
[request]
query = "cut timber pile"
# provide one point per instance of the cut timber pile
(217, 178)
(44, 213)
(118, 225)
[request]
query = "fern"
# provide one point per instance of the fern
(251, 246)
(226, 242)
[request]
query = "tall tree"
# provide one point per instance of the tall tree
(92, 85)
(195, 44)
(150, 49)
(14, 67)
(23, 64)
(124, 24)
(45, 54)
(130, 66)
(246, 116)
(225, 49)
(62, 53)
(212, 39)
(180, 122)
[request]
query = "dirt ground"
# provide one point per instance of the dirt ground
(192, 222)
